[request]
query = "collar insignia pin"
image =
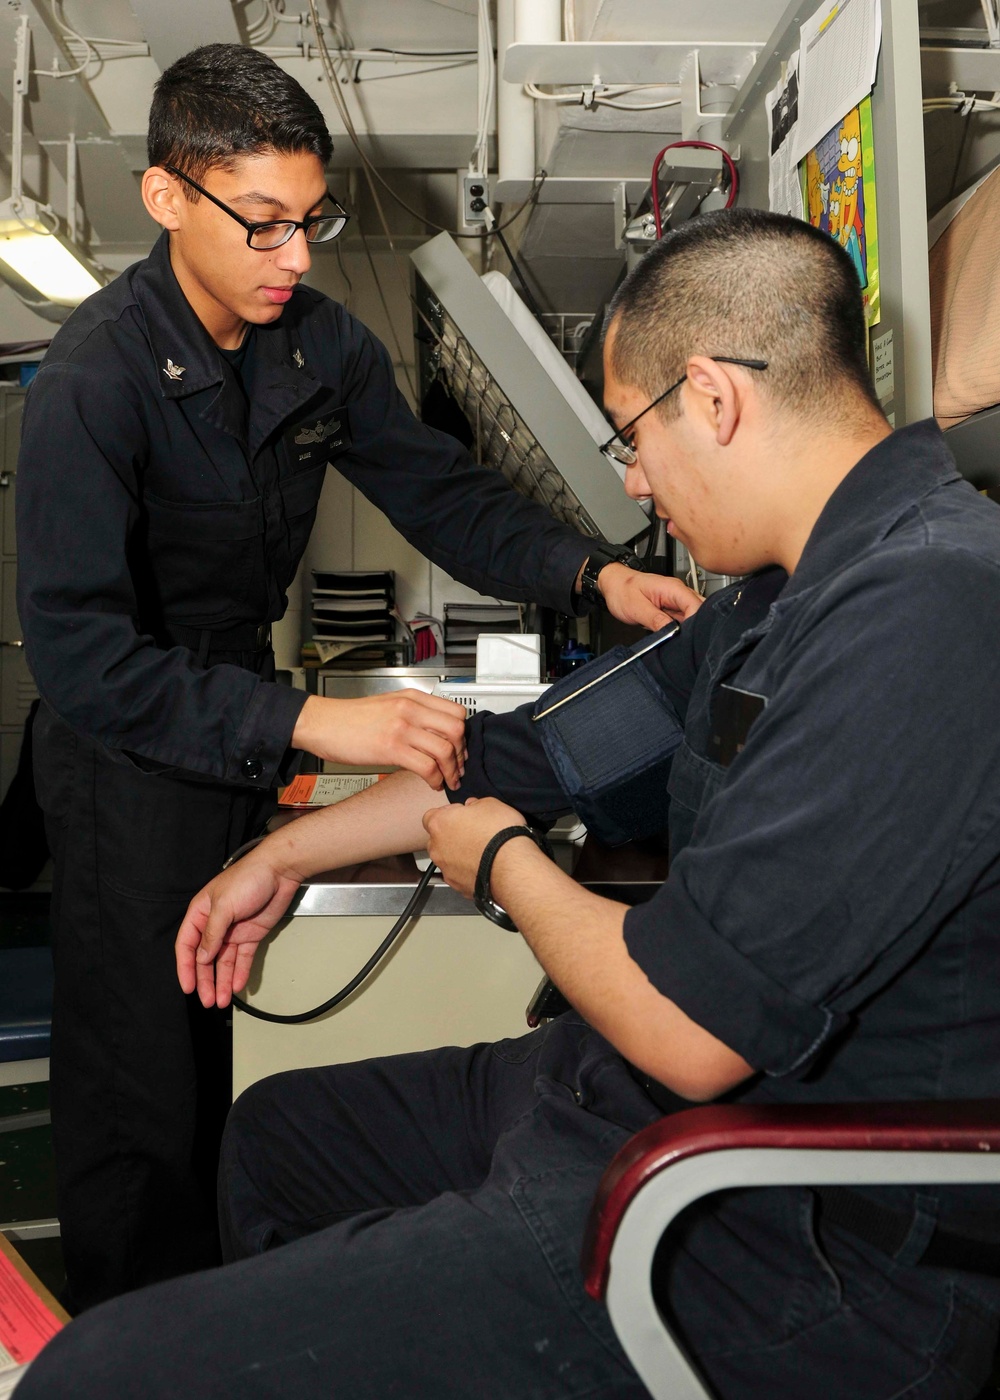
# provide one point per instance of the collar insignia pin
(299, 358)
(173, 371)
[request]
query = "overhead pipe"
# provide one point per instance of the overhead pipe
(538, 21)
(22, 51)
(522, 22)
(72, 170)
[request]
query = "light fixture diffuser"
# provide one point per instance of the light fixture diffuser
(41, 258)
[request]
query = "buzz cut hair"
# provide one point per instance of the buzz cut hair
(223, 101)
(746, 284)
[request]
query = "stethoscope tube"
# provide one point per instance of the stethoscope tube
(412, 906)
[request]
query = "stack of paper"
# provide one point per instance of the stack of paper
(353, 606)
(464, 622)
(29, 1317)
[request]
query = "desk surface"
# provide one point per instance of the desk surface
(446, 981)
(630, 874)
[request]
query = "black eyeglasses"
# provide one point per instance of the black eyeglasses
(321, 228)
(619, 449)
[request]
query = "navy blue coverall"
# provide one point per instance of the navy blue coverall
(162, 513)
(832, 913)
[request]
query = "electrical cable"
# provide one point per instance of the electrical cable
(636, 107)
(426, 53)
(734, 179)
(487, 64)
(411, 73)
(516, 267)
(455, 9)
(372, 173)
(297, 1019)
(385, 305)
(334, 86)
(91, 53)
(597, 99)
(961, 104)
(262, 27)
(569, 21)
(338, 250)
(960, 157)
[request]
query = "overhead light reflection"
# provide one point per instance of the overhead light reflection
(41, 257)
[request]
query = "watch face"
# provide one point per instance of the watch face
(588, 584)
(492, 911)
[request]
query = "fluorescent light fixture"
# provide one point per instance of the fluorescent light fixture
(31, 252)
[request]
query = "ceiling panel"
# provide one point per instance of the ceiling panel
(173, 29)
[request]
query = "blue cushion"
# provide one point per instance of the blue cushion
(25, 1003)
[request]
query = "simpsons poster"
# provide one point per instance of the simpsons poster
(838, 177)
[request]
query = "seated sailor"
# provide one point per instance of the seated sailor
(412, 1225)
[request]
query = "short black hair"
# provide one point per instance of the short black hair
(223, 101)
(749, 284)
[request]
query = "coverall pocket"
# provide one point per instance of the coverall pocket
(158, 838)
(554, 1206)
(204, 554)
(300, 497)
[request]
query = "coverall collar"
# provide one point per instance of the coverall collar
(863, 510)
(188, 361)
(873, 496)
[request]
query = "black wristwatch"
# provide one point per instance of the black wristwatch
(482, 896)
(600, 556)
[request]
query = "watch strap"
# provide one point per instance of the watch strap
(482, 896)
(600, 556)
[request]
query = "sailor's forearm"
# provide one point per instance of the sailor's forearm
(384, 819)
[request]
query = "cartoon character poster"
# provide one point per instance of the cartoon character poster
(838, 176)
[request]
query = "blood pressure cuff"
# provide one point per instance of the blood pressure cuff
(611, 743)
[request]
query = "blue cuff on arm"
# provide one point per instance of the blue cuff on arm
(711, 981)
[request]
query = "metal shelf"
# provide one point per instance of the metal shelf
(581, 65)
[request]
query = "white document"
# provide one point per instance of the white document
(782, 103)
(883, 366)
(838, 56)
(9, 1379)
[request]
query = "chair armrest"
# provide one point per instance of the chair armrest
(968, 1127)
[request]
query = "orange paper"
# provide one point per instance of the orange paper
(27, 1321)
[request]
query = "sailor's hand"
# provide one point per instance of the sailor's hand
(651, 600)
(224, 924)
(402, 729)
(458, 834)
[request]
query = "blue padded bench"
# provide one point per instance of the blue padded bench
(25, 1029)
(25, 1014)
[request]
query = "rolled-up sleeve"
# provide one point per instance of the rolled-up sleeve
(835, 848)
(717, 985)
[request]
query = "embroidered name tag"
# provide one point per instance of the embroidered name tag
(733, 712)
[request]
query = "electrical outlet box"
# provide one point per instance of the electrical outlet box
(475, 198)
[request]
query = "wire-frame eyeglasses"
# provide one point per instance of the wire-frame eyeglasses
(320, 228)
(619, 449)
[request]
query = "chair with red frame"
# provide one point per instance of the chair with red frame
(691, 1154)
